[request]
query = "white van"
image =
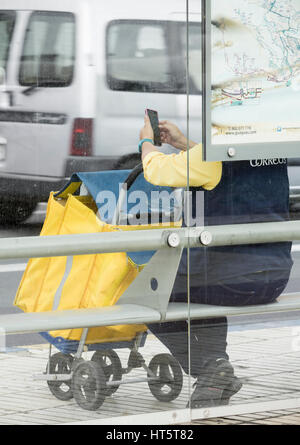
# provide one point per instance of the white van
(77, 76)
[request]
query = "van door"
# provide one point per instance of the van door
(36, 122)
(7, 25)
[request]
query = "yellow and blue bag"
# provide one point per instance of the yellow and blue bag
(84, 281)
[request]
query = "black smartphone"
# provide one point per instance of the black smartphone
(153, 116)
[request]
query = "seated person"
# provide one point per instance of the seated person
(234, 193)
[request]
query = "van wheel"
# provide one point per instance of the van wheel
(128, 162)
(15, 212)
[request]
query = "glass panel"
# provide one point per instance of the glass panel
(239, 356)
(82, 141)
(149, 357)
(7, 23)
(49, 51)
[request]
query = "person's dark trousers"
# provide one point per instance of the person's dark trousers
(208, 337)
(207, 341)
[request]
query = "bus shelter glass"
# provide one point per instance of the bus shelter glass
(244, 352)
(70, 129)
(79, 82)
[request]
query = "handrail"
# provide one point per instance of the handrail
(133, 314)
(91, 243)
(294, 194)
(154, 239)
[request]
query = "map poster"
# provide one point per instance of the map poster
(255, 71)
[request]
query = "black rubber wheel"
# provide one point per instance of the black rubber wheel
(15, 212)
(60, 364)
(111, 366)
(89, 385)
(169, 381)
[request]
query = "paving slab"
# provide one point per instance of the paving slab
(264, 359)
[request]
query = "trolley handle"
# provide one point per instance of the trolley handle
(133, 175)
(126, 186)
(138, 169)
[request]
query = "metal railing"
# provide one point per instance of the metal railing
(165, 241)
(294, 195)
(154, 239)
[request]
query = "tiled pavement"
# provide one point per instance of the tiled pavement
(267, 360)
(279, 417)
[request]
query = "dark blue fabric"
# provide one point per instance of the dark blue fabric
(208, 336)
(71, 346)
(246, 194)
(249, 192)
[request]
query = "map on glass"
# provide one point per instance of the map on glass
(255, 71)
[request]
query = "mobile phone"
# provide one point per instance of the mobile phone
(153, 116)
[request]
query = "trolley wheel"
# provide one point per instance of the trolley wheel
(169, 381)
(60, 363)
(89, 385)
(111, 366)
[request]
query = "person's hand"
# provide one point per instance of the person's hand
(146, 132)
(170, 134)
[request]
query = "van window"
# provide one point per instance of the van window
(195, 75)
(149, 56)
(49, 50)
(7, 23)
(137, 56)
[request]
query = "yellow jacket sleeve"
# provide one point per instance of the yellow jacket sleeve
(171, 169)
